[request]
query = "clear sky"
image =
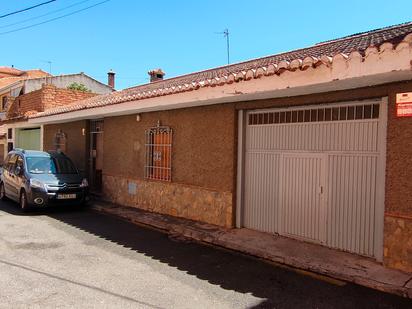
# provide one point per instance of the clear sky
(180, 36)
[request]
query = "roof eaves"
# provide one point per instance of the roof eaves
(149, 90)
(5, 88)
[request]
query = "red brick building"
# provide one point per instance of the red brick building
(29, 92)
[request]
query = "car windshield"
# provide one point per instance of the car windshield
(50, 165)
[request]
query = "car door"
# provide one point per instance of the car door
(19, 179)
(9, 179)
(4, 174)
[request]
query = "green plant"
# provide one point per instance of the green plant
(78, 87)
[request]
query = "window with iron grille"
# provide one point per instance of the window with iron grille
(158, 146)
(60, 141)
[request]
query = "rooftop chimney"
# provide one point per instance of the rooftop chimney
(110, 78)
(156, 74)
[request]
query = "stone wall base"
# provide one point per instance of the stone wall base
(174, 199)
(398, 242)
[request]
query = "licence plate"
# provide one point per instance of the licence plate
(66, 196)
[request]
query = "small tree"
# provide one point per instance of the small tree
(78, 87)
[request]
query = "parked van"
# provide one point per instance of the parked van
(40, 179)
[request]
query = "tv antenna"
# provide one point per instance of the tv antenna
(49, 63)
(226, 35)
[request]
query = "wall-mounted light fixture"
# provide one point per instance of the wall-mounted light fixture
(138, 117)
(83, 131)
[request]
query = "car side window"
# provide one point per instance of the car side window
(11, 163)
(20, 162)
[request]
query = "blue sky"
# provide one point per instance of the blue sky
(132, 37)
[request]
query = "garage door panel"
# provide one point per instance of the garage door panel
(287, 150)
(329, 136)
(262, 191)
(351, 212)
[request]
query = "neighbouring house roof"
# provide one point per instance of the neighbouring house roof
(10, 76)
(302, 59)
(13, 72)
(10, 71)
(33, 81)
(8, 81)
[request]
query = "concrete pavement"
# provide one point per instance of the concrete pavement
(286, 251)
(83, 259)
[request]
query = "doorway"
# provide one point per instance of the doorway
(96, 155)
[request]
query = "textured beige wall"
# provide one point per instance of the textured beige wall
(76, 147)
(202, 151)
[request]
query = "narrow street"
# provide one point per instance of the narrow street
(81, 259)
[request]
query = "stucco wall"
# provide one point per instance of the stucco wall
(202, 152)
(63, 81)
(76, 147)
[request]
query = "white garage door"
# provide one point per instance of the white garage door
(315, 173)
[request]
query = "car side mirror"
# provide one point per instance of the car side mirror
(17, 171)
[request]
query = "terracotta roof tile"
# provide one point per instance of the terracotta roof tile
(11, 71)
(6, 72)
(6, 81)
(300, 58)
(12, 75)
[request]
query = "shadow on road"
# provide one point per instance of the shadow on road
(278, 287)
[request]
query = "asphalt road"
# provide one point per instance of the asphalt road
(81, 259)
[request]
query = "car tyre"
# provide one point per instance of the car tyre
(24, 206)
(2, 192)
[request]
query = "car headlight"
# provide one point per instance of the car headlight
(85, 183)
(37, 184)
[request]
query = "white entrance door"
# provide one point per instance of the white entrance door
(28, 139)
(317, 173)
(302, 210)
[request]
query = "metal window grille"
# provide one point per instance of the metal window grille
(159, 153)
(96, 126)
(337, 113)
(60, 141)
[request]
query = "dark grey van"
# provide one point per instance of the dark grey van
(40, 179)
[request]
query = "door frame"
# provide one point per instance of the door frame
(92, 170)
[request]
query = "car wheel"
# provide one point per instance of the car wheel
(2, 192)
(23, 201)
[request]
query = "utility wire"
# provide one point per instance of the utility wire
(26, 9)
(56, 18)
(40, 16)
